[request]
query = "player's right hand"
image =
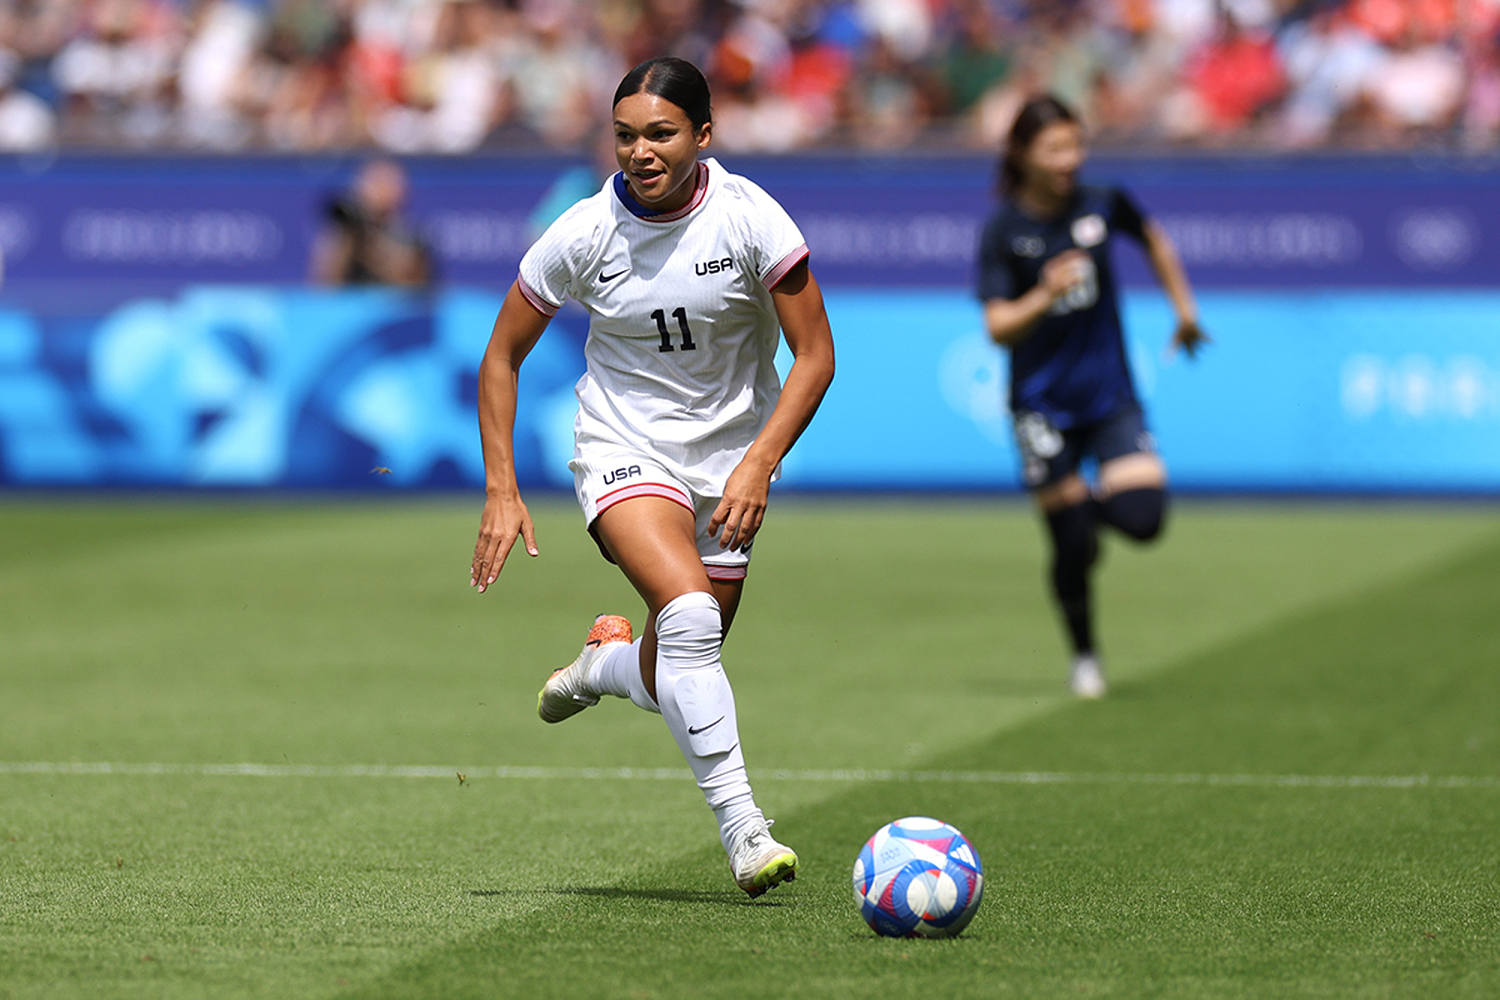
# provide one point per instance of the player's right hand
(505, 517)
(1062, 272)
(1189, 338)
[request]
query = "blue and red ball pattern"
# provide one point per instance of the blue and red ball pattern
(918, 877)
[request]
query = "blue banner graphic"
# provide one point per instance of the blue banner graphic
(1361, 392)
(250, 387)
(270, 387)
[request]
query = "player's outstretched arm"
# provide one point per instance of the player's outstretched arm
(505, 517)
(1010, 321)
(1189, 336)
(804, 323)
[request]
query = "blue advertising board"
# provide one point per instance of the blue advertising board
(110, 227)
(252, 386)
(153, 331)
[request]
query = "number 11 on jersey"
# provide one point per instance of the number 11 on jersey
(680, 315)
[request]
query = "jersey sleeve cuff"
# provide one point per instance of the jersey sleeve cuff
(784, 266)
(538, 303)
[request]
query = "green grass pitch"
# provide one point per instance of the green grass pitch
(1233, 821)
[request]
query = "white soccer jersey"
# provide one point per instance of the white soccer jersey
(682, 329)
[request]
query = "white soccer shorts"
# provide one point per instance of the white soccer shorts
(612, 477)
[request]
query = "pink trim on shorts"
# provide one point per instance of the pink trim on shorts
(784, 266)
(663, 490)
(726, 572)
(532, 296)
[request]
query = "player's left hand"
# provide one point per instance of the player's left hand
(742, 508)
(1189, 338)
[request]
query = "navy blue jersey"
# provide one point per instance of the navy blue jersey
(1071, 367)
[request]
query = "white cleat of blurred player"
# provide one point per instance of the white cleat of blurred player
(1087, 677)
(567, 692)
(759, 862)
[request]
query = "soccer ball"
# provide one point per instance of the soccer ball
(918, 877)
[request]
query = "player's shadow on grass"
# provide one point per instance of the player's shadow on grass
(658, 895)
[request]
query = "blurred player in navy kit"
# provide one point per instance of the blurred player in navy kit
(1050, 297)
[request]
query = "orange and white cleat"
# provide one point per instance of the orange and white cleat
(567, 692)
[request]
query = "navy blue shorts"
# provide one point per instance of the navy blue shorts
(1049, 455)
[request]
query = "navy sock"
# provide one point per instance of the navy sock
(1137, 514)
(1075, 547)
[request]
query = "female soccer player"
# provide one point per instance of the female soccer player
(687, 272)
(1050, 297)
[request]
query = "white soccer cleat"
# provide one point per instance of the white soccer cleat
(567, 691)
(759, 862)
(1087, 678)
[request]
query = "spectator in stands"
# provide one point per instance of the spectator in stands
(214, 76)
(450, 95)
(116, 71)
(1234, 76)
(977, 58)
(891, 99)
(1419, 90)
(367, 241)
(1481, 122)
(26, 122)
(561, 79)
(450, 76)
(1329, 60)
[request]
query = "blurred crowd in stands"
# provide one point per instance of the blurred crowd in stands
(451, 76)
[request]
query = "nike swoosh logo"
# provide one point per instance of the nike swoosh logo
(610, 277)
(704, 729)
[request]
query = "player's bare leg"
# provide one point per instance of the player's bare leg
(652, 540)
(1066, 492)
(1139, 470)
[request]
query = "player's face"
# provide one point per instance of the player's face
(1053, 161)
(657, 148)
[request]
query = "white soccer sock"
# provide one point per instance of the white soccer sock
(698, 707)
(618, 672)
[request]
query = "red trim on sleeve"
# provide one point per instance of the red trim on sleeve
(538, 303)
(784, 266)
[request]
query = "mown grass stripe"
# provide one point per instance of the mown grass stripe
(833, 776)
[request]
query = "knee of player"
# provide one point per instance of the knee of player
(1139, 514)
(691, 626)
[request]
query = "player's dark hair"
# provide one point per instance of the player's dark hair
(1034, 116)
(672, 79)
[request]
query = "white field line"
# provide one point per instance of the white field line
(858, 776)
